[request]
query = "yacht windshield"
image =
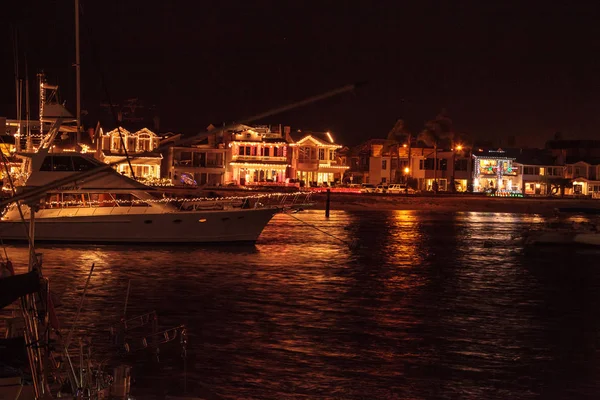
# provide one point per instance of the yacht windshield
(67, 163)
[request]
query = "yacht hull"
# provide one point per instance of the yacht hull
(214, 226)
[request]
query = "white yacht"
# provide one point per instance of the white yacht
(107, 207)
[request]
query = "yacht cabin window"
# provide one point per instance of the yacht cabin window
(67, 163)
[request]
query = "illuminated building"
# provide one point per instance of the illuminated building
(140, 145)
(385, 161)
(584, 176)
(259, 155)
(494, 171)
(314, 159)
(452, 166)
(202, 162)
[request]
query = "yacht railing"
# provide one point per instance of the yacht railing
(154, 206)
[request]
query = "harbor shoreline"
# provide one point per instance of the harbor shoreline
(450, 203)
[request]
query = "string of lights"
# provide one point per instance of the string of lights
(166, 200)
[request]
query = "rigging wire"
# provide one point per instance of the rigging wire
(351, 244)
(104, 84)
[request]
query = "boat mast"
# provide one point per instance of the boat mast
(77, 72)
(18, 84)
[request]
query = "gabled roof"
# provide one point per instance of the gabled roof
(115, 131)
(322, 138)
(144, 131)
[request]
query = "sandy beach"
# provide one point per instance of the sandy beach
(449, 203)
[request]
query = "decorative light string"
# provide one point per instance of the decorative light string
(163, 182)
(166, 200)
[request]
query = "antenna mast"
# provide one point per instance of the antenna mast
(77, 72)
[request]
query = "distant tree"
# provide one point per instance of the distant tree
(437, 132)
(398, 133)
(397, 137)
(558, 136)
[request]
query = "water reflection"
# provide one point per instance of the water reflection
(398, 304)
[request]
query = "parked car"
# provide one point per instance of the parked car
(367, 188)
(381, 189)
(399, 188)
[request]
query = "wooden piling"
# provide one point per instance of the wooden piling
(328, 203)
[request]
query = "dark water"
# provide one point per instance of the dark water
(422, 306)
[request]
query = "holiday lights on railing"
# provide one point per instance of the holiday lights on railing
(151, 181)
(167, 200)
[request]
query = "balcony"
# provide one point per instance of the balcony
(258, 158)
(206, 164)
(308, 165)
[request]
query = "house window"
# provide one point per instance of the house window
(241, 151)
(426, 164)
(247, 152)
(531, 171)
(267, 152)
(332, 155)
(442, 164)
(116, 143)
(131, 144)
(569, 170)
(461, 165)
(542, 171)
(144, 143)
(321, 154)
(577, 171)
(307, 153)
(384, 164)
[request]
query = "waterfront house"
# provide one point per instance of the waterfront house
(315, 160)
(377, 161)
(259, 155)
(197, 163)
(453, 168)
(494, 170)
(583, 173)
(140, 145)
(537, 172)
(386, 161)
(368, 163)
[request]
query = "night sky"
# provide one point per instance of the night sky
(499, 68)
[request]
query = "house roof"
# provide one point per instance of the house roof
(535, 157)
(324, 138)
(588, 160)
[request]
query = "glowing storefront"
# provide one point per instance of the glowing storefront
(494, 171)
